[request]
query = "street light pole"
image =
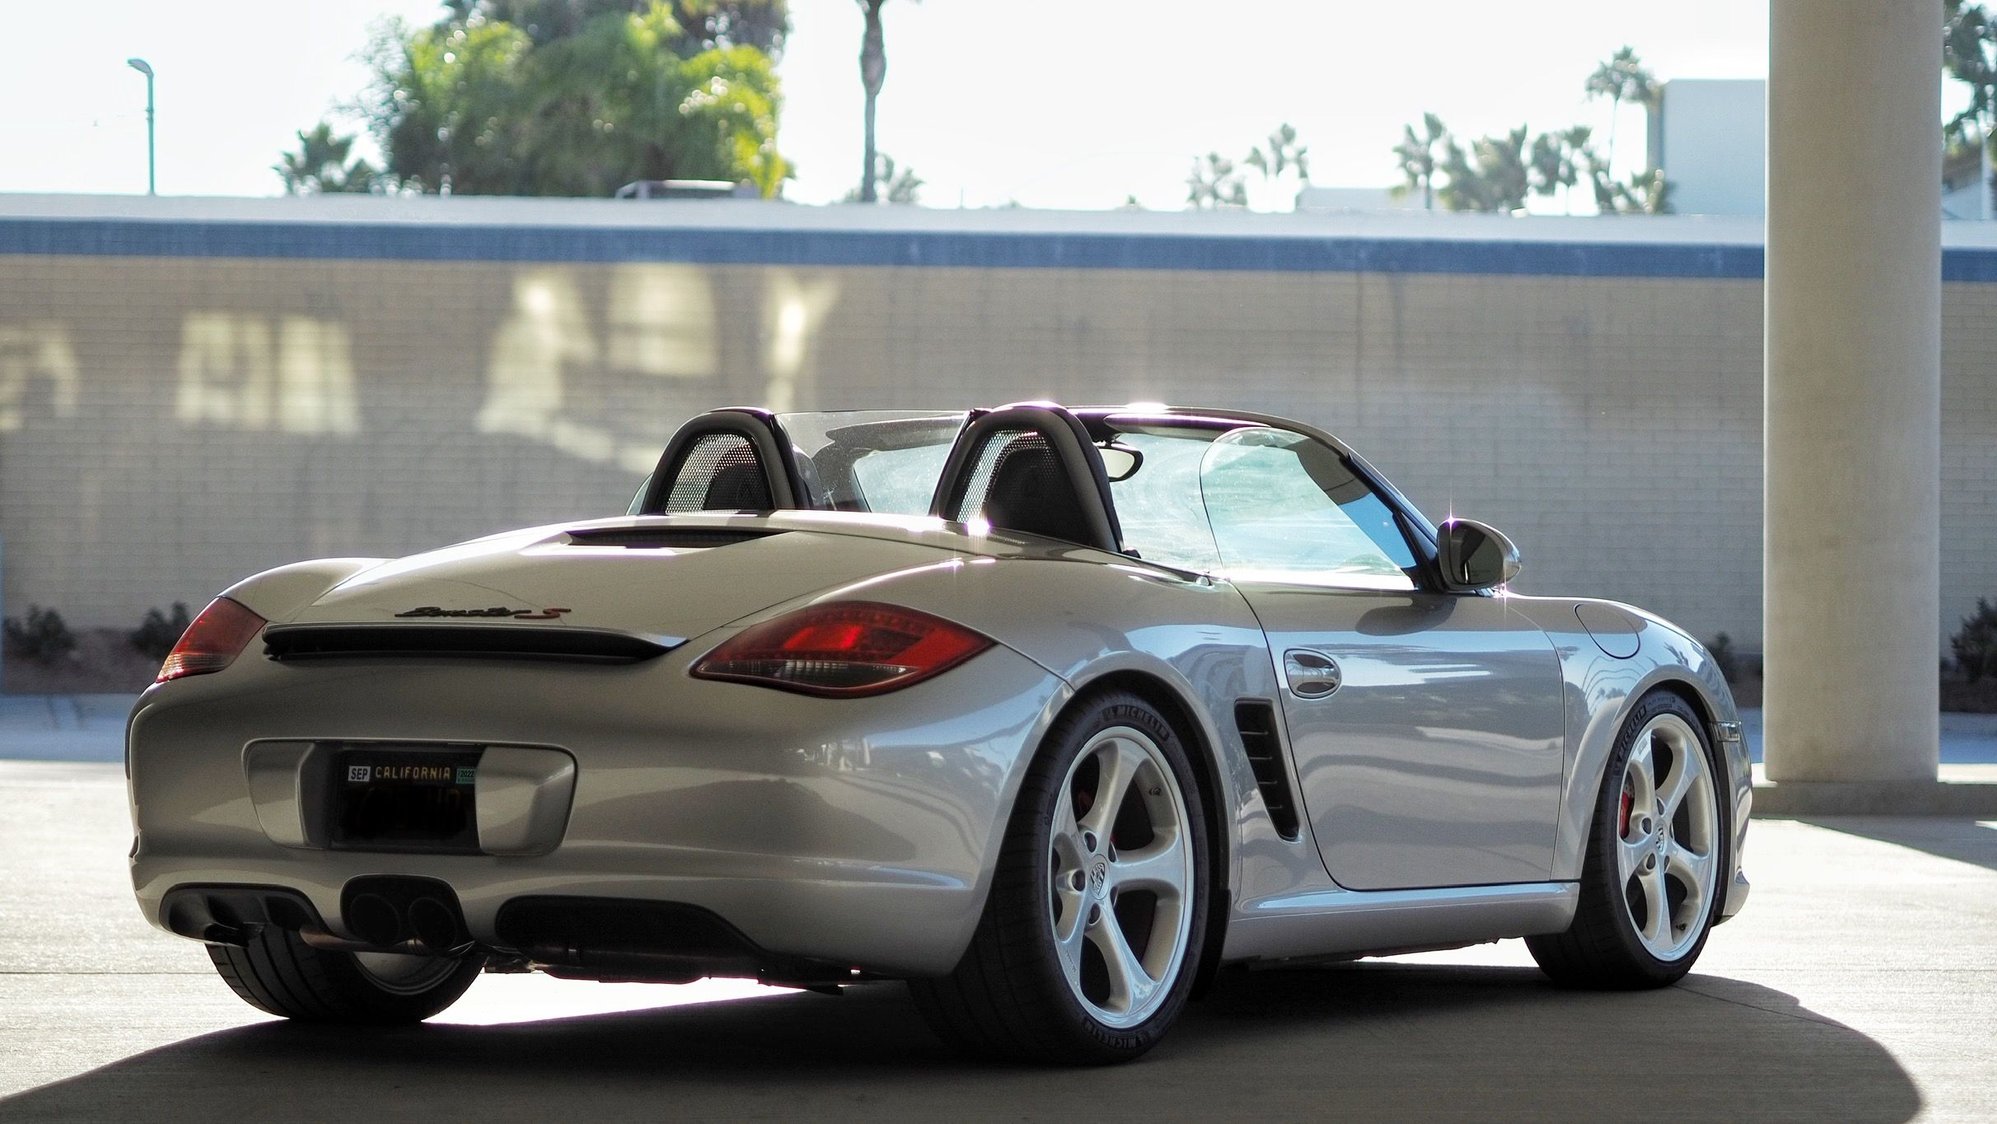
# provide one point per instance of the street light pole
(145, 68)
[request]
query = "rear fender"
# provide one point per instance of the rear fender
(276, 594)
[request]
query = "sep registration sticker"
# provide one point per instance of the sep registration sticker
(359, 774)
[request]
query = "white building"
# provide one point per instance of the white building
(1710, 135)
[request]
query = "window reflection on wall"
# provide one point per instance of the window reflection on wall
(795, 308)
(35, 359)
(661, 322)
(294, 374)
(609, 395)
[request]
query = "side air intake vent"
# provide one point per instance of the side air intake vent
(666, 538)
(518, 642)
(1256, 719)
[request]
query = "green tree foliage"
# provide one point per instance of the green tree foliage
(1496, 173)
(1644, 193)
(1491, 177)
(1969, 55)
(580, 98)
(703, 24)
(324, 164)
(1214, 182)
(159, 632)
(1281, 154)
(1217, 181)
(1559, 160)
(1420, 158)
(1975, 643)
(42, 636)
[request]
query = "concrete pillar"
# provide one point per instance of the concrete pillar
(1853, 386)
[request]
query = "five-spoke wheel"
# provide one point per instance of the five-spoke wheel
(1650, 879)
(1121, 877)
(1097, 914)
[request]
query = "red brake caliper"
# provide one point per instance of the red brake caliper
(1622, 815)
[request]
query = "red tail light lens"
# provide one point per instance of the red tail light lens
(213, 641)
(843, 650)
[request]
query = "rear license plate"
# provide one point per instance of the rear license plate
(398, 799)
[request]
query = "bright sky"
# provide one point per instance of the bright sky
(1049, 103)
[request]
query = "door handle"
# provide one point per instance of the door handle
(1311, 674)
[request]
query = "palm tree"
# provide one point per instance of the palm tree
(1418, 158)
(1282, 154)
(1214, 183)
(1557, 162)
(873, 69)
(1497, 181)
(1621, 79)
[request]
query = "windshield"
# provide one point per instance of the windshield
(1255, 503)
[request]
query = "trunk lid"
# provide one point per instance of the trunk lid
(666, 579)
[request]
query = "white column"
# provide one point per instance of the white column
(1853, 390)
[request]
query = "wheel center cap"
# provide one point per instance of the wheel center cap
(1099, 877)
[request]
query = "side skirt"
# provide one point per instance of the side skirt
(1350, 922)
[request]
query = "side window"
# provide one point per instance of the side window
(1286, 508)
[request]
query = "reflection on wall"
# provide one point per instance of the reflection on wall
(661, 321)
(294, 374)
(32, 354)
(555, 378)
(660, 324)
(796, 308)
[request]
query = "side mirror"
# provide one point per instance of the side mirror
(1475, 556)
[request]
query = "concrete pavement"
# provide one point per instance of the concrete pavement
(64, 727)
(1859, 985)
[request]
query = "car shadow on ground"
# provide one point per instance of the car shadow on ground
(1367, 1041)
(1946, 837)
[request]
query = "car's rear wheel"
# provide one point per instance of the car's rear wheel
(279, 973)
(1651, 878)
(1093, 929)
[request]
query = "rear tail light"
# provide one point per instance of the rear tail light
(213, 641)
(843, 650)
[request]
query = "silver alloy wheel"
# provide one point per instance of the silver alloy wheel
(1120, 876)
(403, 974)
(1667, 853)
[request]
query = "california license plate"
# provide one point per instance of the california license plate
(399, 799)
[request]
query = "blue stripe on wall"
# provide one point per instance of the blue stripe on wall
(983, 250)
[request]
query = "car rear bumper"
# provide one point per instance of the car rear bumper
(853, 832)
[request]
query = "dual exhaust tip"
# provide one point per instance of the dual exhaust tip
(387, 912)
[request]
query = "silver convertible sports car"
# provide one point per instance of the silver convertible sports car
(1049, 712)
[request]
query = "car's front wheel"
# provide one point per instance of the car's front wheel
(278, 972)
(1656, 856)
(1095, 922)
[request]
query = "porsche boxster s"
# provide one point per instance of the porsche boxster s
(1050, 713)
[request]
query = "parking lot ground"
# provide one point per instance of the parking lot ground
(1859, 985)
